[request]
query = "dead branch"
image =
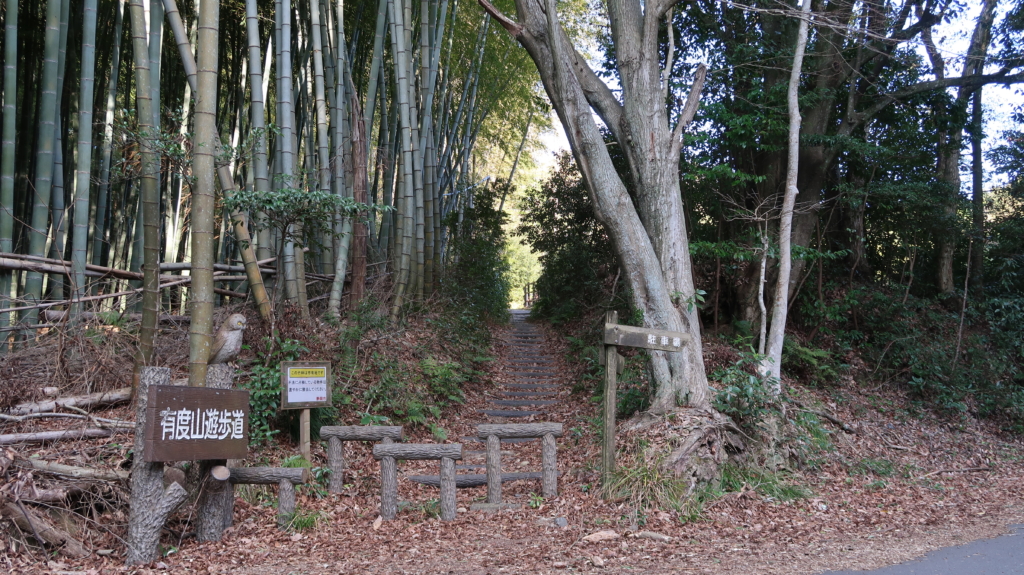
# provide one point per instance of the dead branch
(26, 520)
(99, 421)
(956, 470)
(72, 471)
(104, 398)
(839, 423)
(47, 436)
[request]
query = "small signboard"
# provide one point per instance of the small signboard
(195, 423)
(305, 384)
(644, 337)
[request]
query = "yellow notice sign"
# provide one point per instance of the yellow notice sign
(305, 385)
(307, 372)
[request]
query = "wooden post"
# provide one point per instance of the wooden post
(610, 404)
(388, 485)
(336, 463)
(217, 498)
(447, 477)
(304, 434)
(493, 469)
(285, 502)
(549, 466)
(151, 503)
(337, 435)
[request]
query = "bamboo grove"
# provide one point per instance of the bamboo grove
(201, 152)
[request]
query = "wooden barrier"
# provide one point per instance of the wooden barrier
(286, 478)
(494, 433)
(390, 453)
(337, 435)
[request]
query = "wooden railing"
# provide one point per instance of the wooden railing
(529, 295)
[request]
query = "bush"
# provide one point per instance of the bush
(264, 387)
(742, 393)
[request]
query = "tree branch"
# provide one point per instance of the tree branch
(509, 24)
(971, 82)
(689, 110)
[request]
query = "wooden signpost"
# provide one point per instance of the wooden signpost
(304, 385)
(195, 423)
(614, 336)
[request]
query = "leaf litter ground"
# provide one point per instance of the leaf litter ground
(906, 483)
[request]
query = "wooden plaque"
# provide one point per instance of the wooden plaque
(644, 337)
(305, 384)
(194, 423)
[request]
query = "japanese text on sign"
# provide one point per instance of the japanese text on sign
(663, 340)
(307, 384)
(189, 424)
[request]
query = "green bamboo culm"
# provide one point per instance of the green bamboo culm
(7, 152)
(43, 182)
(99, 241)
(203, 208)
(80, 236)
(149, 187)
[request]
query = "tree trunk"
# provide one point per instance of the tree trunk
(80, 237)
(772, 364)
(978, 201)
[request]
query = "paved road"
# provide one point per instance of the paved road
(1000, 556)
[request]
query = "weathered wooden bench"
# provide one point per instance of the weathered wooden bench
(337, 435)
(494, 433)
(390, 453)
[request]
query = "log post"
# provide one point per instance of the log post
(215, 510)
(610, 404)
(549, 466)
(337, 435)
(150, 502)
(388, 487)
(336, 463)
(493, 469)
(388, 454)
(447, 489)
(285, 502)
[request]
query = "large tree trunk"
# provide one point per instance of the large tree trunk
(652, 244)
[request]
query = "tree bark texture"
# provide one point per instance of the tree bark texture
(215, 508)
(493, 469)
(151, 503)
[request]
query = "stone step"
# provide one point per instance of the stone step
(528, 393)
(552, 373)
(521, 402)
(534, 386)
(508, 413)
(474, 479)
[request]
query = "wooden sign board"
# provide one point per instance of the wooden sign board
(644, 337)
(305, 384)
(195, 423)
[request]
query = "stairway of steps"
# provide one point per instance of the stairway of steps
(534, 386)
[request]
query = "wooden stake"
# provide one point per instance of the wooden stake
(608, 447)
(304, 434)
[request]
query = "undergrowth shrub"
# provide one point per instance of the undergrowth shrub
(741, 393)
(264, 385)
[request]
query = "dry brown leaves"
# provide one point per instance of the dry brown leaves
(855, 518)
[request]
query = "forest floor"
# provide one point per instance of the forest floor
(905, 482)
